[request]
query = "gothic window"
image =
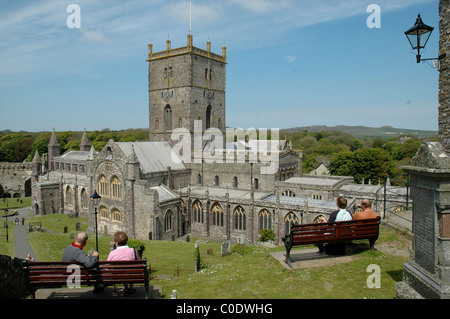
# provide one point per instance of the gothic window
(168, 117)
(198, 211)
(217, 215)
(288, 220)
(180, 122)
(116, 188)
(116, 215)
(84, 198)
(103, 186)
(240, 218)
(235, 182)
(256, 183)
(108, 153)
(199, 179)
(265, 219)
(216, 180)
(168, 221)
(156, 124)
(208, 117)
(104, 212)
(206, 73)
(69, 196)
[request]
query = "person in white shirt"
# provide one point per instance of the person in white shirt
(339, 215)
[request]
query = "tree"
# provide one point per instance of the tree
(368, 164)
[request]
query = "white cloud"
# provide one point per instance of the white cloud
(290, 58)
(93, 36)
(262, 6)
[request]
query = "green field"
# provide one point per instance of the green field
(250, 272)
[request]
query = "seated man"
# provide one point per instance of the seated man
(74, 252)
(367, 212)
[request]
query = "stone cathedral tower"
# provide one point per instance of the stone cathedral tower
(185, 84)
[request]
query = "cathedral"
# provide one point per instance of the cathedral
(221, 189)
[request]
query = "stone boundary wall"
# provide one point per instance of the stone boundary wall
(12, 278)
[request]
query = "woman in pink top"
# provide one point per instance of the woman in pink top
(123, 252)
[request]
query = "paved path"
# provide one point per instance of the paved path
(22, 245)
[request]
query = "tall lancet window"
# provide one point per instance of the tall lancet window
(168, 117)
(208, 117)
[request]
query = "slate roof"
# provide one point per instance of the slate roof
(152, 156)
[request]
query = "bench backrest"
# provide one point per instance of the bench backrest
(304, 234)
(104, 272)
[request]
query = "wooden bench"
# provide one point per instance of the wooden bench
(48, 274)
(331, 232)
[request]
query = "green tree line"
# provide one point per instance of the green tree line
(366, 159)
(21, 146)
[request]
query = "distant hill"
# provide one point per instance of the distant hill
(364, 131)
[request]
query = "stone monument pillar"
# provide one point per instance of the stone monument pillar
(427, 273)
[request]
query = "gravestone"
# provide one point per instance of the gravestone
(77, 227)
(65, 229)
(225, 248)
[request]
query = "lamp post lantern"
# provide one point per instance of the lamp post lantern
(418, 36)
(95, 201)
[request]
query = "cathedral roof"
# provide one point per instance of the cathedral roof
(152, 156)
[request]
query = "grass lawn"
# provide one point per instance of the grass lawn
(253, 274)
(14, 203)
(7, 247)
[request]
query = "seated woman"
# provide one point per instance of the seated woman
(123, 252)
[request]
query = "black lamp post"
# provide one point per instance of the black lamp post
(6, 224)
(418, 36)
(95, 201)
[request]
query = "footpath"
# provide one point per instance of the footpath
(22, 245)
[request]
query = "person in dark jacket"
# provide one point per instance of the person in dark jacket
(74, 252)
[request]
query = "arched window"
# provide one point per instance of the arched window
(116, 215)
(168, 220)
(168, 117)
(216, 180)
(116, 188)
(256, 183)
(288, 220)
(198, 211)
(217, 215)
(235, 182)
(104, 212)
(265, 219)
(84, 198)
(103, 187)
(69, 196)
(199, 179)
(240, 218)
(208, 117)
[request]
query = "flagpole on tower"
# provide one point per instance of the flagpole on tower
(190, 16)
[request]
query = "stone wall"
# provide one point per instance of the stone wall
(444, 78)
(12, 278)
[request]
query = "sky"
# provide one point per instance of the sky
(291, 63)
